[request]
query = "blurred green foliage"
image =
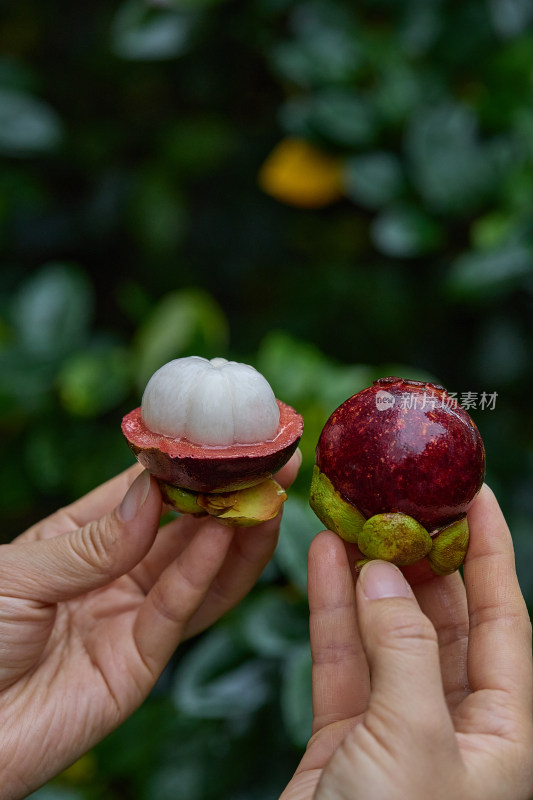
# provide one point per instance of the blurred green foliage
(133, 230)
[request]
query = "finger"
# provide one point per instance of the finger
(250, 551)
(402, 650)
(95, 504)
(65, 566)
(341, 683)
(178, 592)
(500, 631)
(443, 601)
(287, 474)
(340, 671)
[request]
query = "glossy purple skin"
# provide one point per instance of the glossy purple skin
(420, 456)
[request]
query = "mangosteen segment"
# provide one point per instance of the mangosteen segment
(210, 402)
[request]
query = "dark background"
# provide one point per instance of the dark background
(327, 192)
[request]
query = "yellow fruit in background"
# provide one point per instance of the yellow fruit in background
(299, 174)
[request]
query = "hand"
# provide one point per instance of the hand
(93, 602)
(425, 692)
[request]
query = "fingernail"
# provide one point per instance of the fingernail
(298, 454)
(134, 497)
(381, 579)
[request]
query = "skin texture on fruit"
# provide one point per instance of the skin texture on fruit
(201, 468)
(404, 446)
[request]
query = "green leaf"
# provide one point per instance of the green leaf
(52, 310)
(28, 125)
(299, 526)
(292, 367)
(54, 792)
(180, 321)
(343, 117)
(491, 272)
(421, 25)
(398, 91)
(324, 49)
(198, 144)
(296, 695)
(217, 679)
(373, 179)
(179, 780)
(158, 214)
(46, 461)
(340, 382)
(301, 374)
(510, 17)
(144, 33)
(272, 623)
(492, 230)
(406, 232)
(94, 381)
(452, 169)
(25, 382)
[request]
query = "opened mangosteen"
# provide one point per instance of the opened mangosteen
(397, 467)
(213, 434)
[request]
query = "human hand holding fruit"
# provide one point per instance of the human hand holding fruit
(422, 692)
(94, 601)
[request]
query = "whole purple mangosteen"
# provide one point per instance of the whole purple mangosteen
(397, 467)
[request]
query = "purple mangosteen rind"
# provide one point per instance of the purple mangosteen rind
(418, 457)
(232, 483)
(200, 468)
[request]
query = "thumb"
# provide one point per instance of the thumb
(403, 655)
(65, 566)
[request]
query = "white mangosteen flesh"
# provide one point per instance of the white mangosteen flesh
(216, 403)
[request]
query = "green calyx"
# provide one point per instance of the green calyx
(182, 500)
(449, 547)
(401, 539)
(390, 536)
(241, 508)
(332, 510)
(394, 537)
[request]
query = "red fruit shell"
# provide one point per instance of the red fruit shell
(427, 461)
(212, 469)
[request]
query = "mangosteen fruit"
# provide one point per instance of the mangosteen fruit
(397, 466)
(213, 433)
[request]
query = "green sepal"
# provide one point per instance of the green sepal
(449, 547)
(394, 537)
(332, 510)
(183, 500)
(245, 507)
